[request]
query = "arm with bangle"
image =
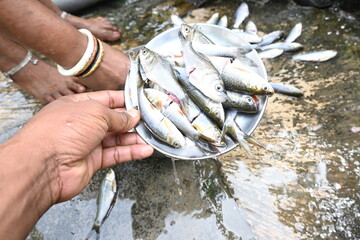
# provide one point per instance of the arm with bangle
(58, 40)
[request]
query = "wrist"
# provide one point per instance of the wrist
(29, 185)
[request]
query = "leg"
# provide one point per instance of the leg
(99, 26)
(41, 80)
(59, 41)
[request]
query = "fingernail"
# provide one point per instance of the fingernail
(133, 112)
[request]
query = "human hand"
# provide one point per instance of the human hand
(83, 133)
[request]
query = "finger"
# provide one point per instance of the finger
(121, 139)
(119, 154)
(122, 121)
(111, 99)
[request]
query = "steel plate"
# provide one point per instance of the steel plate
(168, 41)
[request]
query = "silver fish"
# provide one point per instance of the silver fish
(202, 74)
(287, 47)
(176, 20)
(242, 102)
(134, 77)
(213, 19)
(270, 38)
(241, 78)
(271, 53)
(223, 22)
(241, 13)
(211, 108)
(161, 127)
(160, 71)
(317, 56)
(287, 89)
(106, 199)
(294, 33)
(196, 35)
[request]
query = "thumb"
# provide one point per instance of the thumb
(122, 121)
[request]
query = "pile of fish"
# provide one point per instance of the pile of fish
(270, 45)
(194, 94)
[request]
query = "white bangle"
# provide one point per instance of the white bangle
(79, 67)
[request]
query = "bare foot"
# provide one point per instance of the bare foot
(41, 80)
(99, 26)
(44, 82)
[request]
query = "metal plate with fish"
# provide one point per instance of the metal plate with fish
(169, 40)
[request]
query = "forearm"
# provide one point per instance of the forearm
(27, 186)
(31, 23)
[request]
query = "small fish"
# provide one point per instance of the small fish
(213, 19)
(196, 35)
(270, 38)
(223, 22)
(134, 75)
(161, 127)
(202, 74)
(211, 108)
(176, 20)
(160, 71)
(287, 89)
(105, 201)
(242, 102)
(271, 53)
(294, 33)
(287, 47)
(241, 13)
(318, 56)
(241, 78)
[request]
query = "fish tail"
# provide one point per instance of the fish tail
(255, 142)
(244, 144)
(94, 233)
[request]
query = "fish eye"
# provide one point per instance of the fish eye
(144, 51)
(177, 145)
(265, 88)
(218, 136)
(249, 100)
(219, 87)
(187, 29)
(217, 113)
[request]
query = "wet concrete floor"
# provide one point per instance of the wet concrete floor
(305, 187)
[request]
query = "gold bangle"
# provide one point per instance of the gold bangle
(91, 58)
(96, 62)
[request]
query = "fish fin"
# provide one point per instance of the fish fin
(206, 147)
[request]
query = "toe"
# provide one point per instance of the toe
(47, 99)
(77, 88)
(111, 35)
